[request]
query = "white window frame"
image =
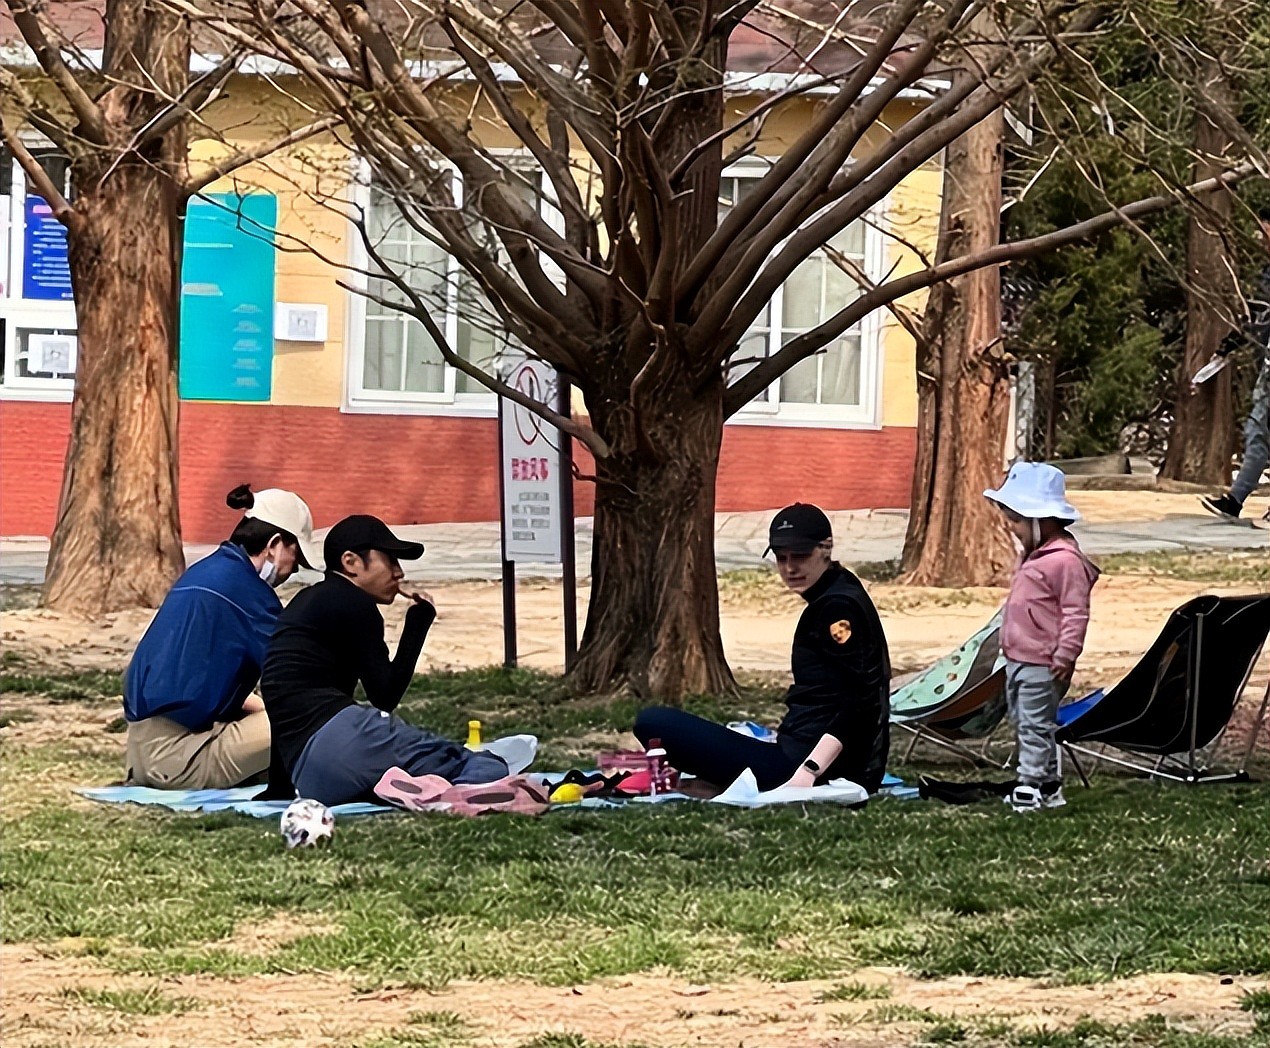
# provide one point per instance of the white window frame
(357, 398)
(26, 313)
(768, 412)
(772, 411)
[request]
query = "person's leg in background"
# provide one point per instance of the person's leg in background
(1256, 439)
(710, 751)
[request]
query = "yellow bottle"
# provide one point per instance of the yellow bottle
(473, 735)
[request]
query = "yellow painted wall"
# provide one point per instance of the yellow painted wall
(310, 182)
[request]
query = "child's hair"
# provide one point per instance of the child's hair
(252, 533)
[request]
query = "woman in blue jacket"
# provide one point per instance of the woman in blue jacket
(193, 722)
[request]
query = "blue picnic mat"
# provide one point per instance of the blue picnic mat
(240, 799)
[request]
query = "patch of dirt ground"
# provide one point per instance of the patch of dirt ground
(48, 1000)
(921, 625)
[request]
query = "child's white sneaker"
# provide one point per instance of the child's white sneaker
(1025, 798)
(1053, 800)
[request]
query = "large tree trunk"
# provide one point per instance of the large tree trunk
(117, 541)
(653, 623)
(1202, 437)
(955, 536)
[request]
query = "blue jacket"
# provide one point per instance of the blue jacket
(203, 652)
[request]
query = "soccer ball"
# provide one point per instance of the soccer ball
(307, 822)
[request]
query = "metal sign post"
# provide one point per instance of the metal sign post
(509, 566)
(568, 549)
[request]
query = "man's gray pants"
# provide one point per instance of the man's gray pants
(1032, 697)
(1256, 437)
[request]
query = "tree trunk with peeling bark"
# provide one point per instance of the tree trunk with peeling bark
(653, 619)
(1202, 437)
(117, 540)
(955, 536)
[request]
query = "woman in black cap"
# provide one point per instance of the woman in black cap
(326, 746)
(837, 724)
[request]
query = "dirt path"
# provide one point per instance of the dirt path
(49, 1000)
(757, 625)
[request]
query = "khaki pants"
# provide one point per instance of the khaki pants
(167, 756)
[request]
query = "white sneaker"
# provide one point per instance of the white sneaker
(1025, 799)
(1053, 800)
(517, 750)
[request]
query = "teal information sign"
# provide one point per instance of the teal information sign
(227, 297)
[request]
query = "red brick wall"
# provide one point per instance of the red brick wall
(421, 469)
(32, 453)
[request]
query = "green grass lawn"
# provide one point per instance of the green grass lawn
(1130, 877)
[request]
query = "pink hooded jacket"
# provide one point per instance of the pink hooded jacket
(1047, 611)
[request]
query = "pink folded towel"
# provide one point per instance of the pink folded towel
(516, 793)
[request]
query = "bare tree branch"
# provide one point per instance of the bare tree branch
(753, 382)
(53, 196)
(241, 158)
(593, 441)
(45, 40)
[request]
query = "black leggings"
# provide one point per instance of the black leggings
(715, 753)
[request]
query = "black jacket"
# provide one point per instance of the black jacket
(842, 679)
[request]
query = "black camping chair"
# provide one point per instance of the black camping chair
(1181, 695)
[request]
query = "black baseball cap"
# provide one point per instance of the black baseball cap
(799, 528)
(360, 533)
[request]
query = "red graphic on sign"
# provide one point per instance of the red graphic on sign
(528, 424)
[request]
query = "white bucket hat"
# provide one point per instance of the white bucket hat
(1035, 490)
(286, 511)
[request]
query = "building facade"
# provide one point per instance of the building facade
(288, 379)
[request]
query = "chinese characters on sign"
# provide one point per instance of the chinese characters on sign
(531, 469)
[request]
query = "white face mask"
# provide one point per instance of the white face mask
(269, 573)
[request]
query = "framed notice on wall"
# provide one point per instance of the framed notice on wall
(227, 289)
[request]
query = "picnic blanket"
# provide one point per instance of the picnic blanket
(241, 799)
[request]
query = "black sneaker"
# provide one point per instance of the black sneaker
(1223, 505)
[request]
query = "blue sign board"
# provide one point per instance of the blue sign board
(227, 278)
(46, 272)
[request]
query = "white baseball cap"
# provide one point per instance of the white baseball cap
(286, 511)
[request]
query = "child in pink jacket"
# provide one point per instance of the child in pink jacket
(1046, 615)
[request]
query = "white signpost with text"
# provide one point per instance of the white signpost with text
(531, 468)
(536, 489)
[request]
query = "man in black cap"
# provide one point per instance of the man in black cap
(838, 722)
(326, 746)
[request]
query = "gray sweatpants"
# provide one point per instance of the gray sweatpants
(1032, 696)
(1256, 437)
(349, 754)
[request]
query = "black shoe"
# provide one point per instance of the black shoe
(1224, 505)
